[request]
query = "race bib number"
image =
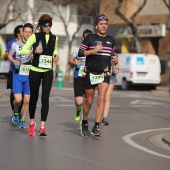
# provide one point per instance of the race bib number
(24, 69)
(96, 79)
(81, 71)
(45, 61)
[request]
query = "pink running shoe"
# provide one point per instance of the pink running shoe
(31, 130)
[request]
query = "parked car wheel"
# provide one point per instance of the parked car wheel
(125, 85)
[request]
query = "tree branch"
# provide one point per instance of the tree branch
(137, 12)
(166, 4)
(7, 22)
(117, 12)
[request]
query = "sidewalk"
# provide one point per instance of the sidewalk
(166, 138)
(161, 91)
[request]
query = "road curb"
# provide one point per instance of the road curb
(166, 138)
(160, 93)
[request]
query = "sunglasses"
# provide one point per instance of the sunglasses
(102, 18)
(47, 24)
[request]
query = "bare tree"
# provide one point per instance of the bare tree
(85, 8)
(22, 10)
(168, 18)
(4, 18)
(131, 23)
(167, 3)
(12, 10)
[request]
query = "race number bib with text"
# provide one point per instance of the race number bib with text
(24, 69)
(45, 61)
(96, 79)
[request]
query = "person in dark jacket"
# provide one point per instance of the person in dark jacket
(45, 51)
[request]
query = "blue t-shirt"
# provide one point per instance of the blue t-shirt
(8, 48)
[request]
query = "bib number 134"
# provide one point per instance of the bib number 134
(45, 61)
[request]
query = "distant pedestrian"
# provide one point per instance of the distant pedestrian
(45, 51)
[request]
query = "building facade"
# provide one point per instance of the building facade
(151, 22)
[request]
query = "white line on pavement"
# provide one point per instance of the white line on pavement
(127, 139)
(141, 106)
(141, 102)
(60, 98)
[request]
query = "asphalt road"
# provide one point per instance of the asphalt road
(132, 141)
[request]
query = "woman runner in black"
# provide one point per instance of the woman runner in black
(45, 50)
(99, 50)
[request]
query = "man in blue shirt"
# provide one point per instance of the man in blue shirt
(21, 88)
(18, 33)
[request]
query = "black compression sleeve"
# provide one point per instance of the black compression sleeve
(81, 53)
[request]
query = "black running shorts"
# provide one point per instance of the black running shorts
(9, 80)
(79, 86)
(88, 85)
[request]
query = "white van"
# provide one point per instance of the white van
(138, 69)
(4, 67)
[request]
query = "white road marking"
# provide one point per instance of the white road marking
(6, 99)
(141, 106)
(127, 139)
(3, 105)
(145, 102)
(60, 98)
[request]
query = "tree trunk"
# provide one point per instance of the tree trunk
(138, 45)
(68, 66)
(137, 40)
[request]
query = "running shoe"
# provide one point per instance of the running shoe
(77, 115)
(96, 131)
(42, 131)
(20, 116)
(31, 130)
(22, 124)
(15, 119)
(84, 130)
(104, 121)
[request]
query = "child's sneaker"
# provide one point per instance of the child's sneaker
(42, 131)
(31, 130)
(22, 124)
(15, 119)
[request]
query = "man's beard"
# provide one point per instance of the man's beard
(102, 33)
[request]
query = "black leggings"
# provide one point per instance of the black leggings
(35, 79)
